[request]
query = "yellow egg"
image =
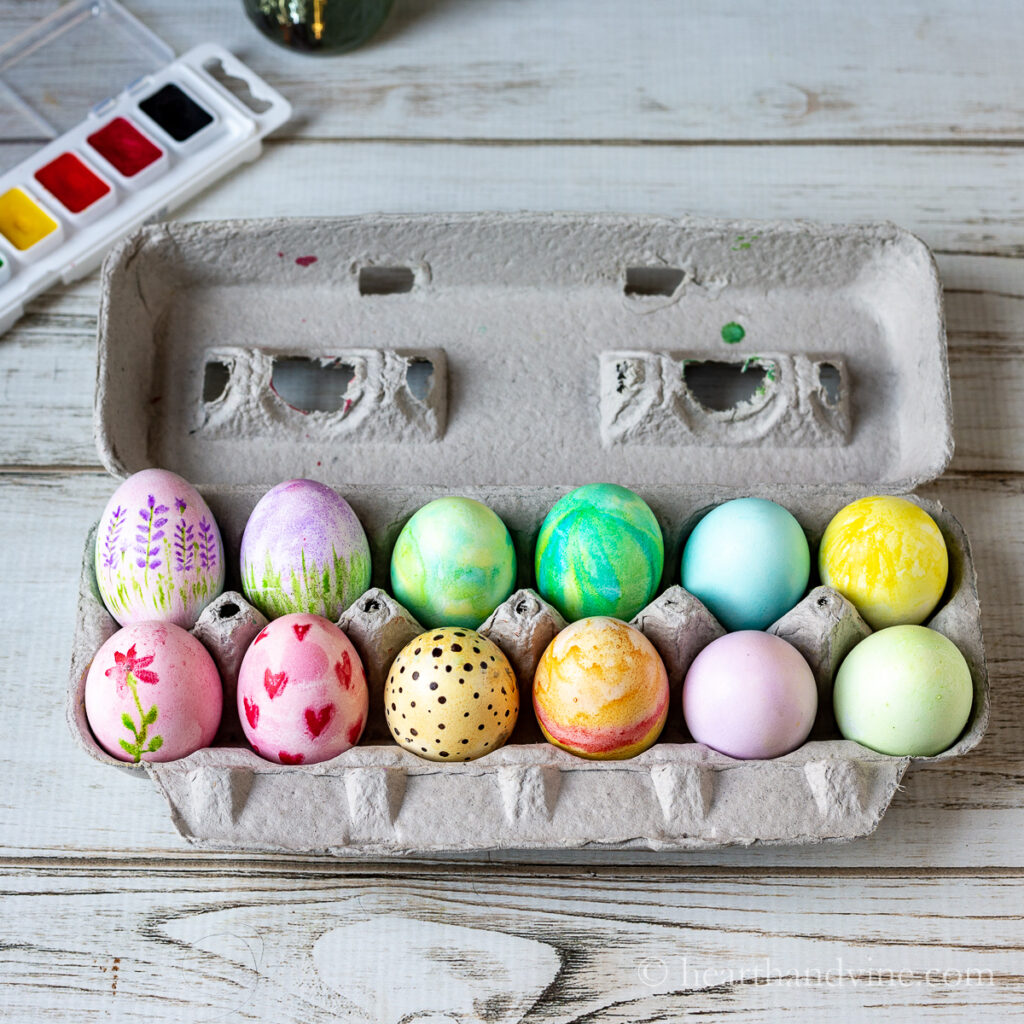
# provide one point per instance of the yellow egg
(888, 557)
(451, 695)
(601, 690)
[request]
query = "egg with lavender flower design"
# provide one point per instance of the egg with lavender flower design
(159, 554)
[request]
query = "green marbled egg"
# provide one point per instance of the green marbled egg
(599, 552)
(453, 563)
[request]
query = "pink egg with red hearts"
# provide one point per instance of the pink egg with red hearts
(153, 694)
(302, 695)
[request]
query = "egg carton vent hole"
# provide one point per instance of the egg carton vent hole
(369, 395)
(831, 380)
(313, 385)
(386, 280)
(647, 281)
(719, 386)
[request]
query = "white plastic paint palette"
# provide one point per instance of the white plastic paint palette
(133, 134)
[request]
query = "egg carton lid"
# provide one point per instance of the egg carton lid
(524, 349)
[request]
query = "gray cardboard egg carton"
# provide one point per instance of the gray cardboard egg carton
(510, 358)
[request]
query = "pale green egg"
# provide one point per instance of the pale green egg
(453, 563)
(905, 690)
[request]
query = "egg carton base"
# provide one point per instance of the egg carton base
(378, 799)
(386, 801)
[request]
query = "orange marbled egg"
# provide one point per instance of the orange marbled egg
(601, 690)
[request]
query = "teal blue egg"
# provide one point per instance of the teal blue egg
(599, 552)
(748, 561)
(453, 563)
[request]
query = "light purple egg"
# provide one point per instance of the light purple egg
(750, 695)
(304, 550)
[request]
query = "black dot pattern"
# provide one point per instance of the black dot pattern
(449, 708)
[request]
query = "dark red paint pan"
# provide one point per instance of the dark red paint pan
(127, 150)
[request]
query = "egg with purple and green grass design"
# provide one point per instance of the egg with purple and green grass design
(600, 551)
(304, 550)
(159, 554)
(453, 563)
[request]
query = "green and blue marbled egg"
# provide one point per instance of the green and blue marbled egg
(599, 552)
(453, 563)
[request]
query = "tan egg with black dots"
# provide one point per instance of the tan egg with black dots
(451, 695)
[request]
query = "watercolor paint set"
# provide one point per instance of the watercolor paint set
(133, 133)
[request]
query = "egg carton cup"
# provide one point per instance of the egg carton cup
(509, 358)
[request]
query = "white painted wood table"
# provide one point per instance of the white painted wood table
(833, 111)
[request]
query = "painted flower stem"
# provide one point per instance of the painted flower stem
(140, 731)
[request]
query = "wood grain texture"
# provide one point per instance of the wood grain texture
(499, 946)
(958, 199)
(531, 69)
(838, 112)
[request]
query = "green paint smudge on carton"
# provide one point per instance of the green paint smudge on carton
(733, 333)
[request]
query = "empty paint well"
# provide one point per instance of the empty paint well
(23, 222)
(174, 111)
(73, 183)
(126, 149)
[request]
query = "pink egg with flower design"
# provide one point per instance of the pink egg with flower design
(302, 694)
(159, 553)
(153, 694)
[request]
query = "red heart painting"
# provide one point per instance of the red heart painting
(262, 636)
(274, 682)
(354, 732)
(287, 758)
(316, 721)
(252, 712)
(343, 670)
(301, 631)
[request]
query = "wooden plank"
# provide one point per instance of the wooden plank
(54, 801)
(985, 324)
(47, 369)
(47, 381)
(498, 945)
(601, 69)
(958, 199)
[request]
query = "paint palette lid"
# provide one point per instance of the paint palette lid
(107, 130)
(525, 350)
(76, 60)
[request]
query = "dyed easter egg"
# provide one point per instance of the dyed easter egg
(601, 690)
(750, 695)
(304, 550)
(905, 690)
(159, 554)
(599, 552)
(748, 561)
(451, 695)
(888, 557)
(302, 695)
(453, 563)
(153, 694)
